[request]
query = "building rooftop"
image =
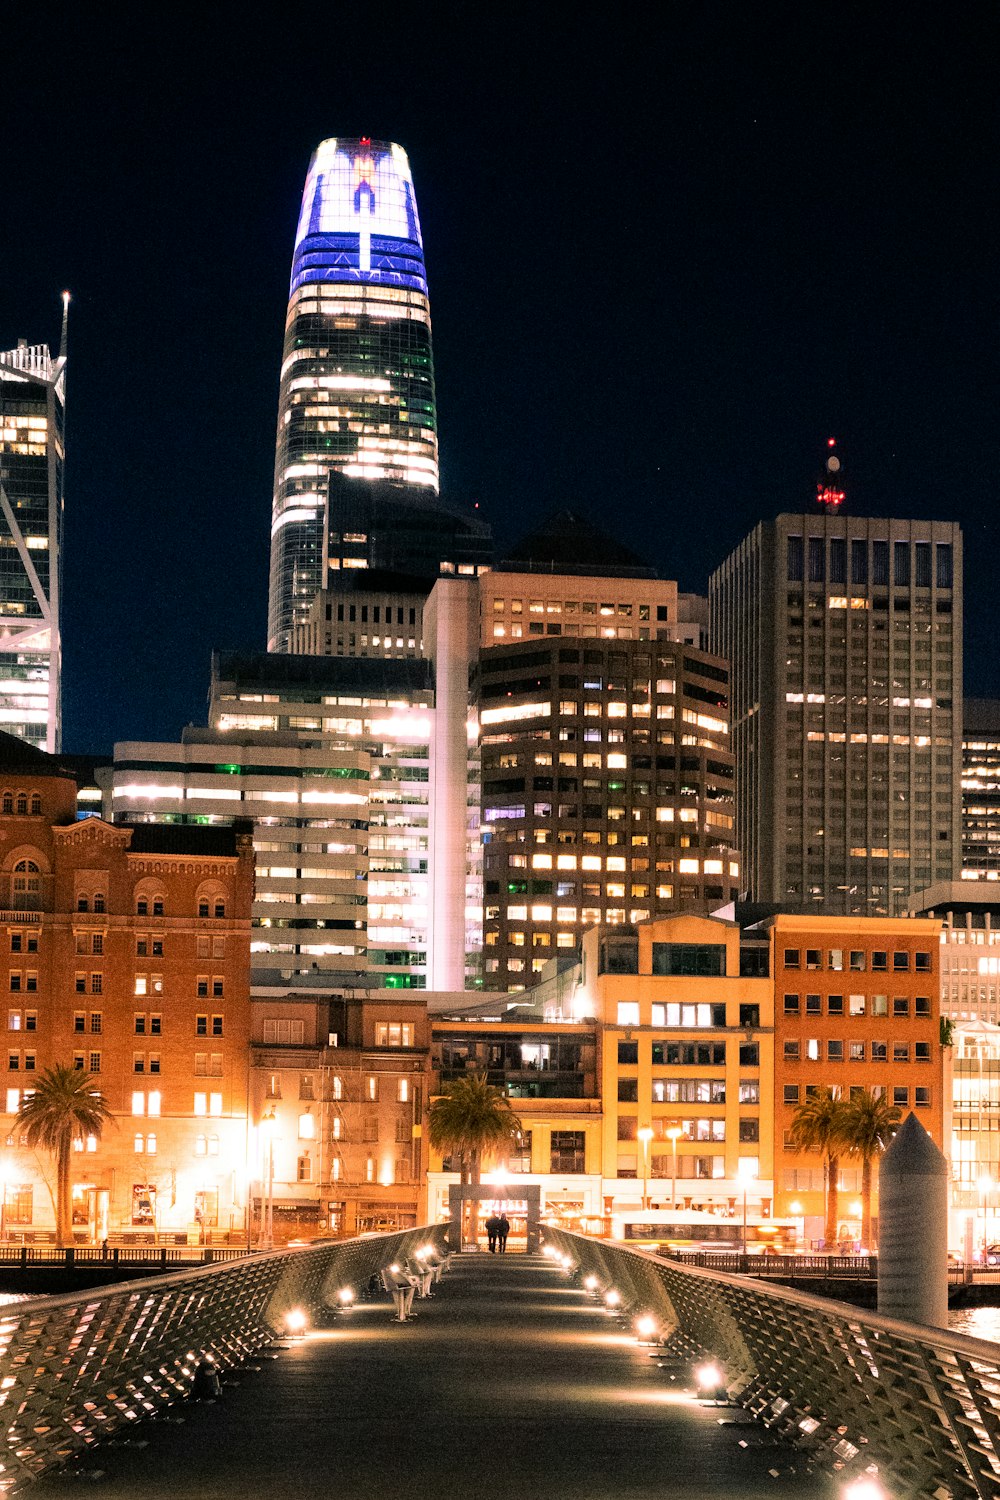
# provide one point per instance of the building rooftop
(569, 543)
(334, 674)
(187, 838)
(18, 756)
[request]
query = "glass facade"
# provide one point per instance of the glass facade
(32, 410)
(357, 378)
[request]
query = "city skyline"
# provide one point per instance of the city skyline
(658, 287)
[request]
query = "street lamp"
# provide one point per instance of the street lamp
(746, 1171)
(645, 1136)
(985, 1186)
(268, 1122)
(673, 1136)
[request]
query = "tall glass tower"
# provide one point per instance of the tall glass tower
(32, 455)
(357, 379)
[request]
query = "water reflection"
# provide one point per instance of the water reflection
(978, 1322)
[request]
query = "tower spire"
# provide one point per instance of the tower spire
(65, 325)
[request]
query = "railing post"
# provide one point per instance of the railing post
(70, 1257)
(24, 1257)
(163, 1256)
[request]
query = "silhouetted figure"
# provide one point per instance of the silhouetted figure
(503, 1230)
(492, 1230)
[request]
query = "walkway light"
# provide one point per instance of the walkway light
(647, 1328)
(612, 1298)
(865, 1488)
(591, 1283)
(709, 1378)
(296, 1320)
(567, 1261)
(345, 1296)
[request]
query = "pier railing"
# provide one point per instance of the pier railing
(74, 1367)
(918, 1404)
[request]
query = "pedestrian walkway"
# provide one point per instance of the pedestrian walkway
(510, 1384)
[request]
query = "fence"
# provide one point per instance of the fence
(75, 1367)
(920, 1404)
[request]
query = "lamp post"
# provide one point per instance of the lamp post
(985, 1185)
(645, 1136)
(673, 1136)
(746, 1171)
(268, 1122)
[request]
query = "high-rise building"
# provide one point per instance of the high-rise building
(357, 377)
(844, 635)
(32, 455)
(607, 792)
(981, 790)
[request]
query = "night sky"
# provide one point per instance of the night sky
(670, 250)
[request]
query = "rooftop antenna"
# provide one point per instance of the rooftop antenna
(65, 325)
(830, 494)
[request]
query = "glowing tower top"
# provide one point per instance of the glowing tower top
(357, 378)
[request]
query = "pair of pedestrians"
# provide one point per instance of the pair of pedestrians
(497, 1230)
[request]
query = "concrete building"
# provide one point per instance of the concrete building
(685, 1028)
(549, 1072)
(607, 791)
(856, 1007)
(981, 790)
(125, 953)
(845, 639)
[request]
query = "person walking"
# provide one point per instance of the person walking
(492, 1230)
(503, 1230)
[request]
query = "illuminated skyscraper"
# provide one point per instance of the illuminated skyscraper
(357, 380)
(32, 453)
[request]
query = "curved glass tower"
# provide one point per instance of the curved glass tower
(357, 379)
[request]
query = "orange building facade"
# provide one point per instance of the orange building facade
(856, 1005)
(124, 952)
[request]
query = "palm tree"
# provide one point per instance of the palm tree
(816, 1127)
(474, 1121)
(64, 1106)
(868, 1123)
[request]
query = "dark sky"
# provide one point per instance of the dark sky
(670, 250)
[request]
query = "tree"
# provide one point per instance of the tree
(64, 1107)
(816, 1127)
(868, 1123)
(474, 1121)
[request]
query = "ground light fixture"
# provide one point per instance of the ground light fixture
(591, 1284)
(647, 1328)
(612, 1299)
(296, 1320)
(709, 1380)
(345, 1296)
(865, 1488)
(567, 1262)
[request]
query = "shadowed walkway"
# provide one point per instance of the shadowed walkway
(510, 1385)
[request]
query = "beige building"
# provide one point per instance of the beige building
(685, 1025)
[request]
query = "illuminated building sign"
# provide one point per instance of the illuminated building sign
(359, 217)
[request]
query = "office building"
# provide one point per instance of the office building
(981, 789)
(844, 636)
(125, 954)
(357, 376)
(607, 791)
(685, 1018)
(32, 461)
(856, 1006)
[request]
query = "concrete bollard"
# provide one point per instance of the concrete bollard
(913, 1229)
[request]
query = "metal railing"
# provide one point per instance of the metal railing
(24, 1257)
(75, 1367)
(784, 1267)
(919, 1403)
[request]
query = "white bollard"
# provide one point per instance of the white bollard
(913, 1229)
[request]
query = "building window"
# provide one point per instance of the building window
(216, 1025)
(567, 1151)
(393, 1034)
(403, 1090)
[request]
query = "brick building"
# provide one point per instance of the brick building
(125, 952)
(856, 1006)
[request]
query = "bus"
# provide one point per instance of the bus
(696, 1229)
